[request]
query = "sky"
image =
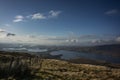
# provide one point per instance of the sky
(58, 22)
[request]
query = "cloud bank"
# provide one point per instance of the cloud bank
(78, 40)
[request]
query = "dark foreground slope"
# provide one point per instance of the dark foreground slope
(29, 67)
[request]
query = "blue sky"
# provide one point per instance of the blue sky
(66, 19)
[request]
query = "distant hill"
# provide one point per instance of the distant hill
(109, 47)
(113, 49)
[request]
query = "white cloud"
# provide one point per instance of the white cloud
(118, 39)
(54, 13)
(112, 12)
(96, 41)
(72, 40)
(38, 16)
(2, 30)
(2, 35)
(18, 18)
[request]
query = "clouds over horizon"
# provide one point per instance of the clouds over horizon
(89, 39)
(82, 40)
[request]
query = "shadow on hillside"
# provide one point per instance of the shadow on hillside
(18, 67)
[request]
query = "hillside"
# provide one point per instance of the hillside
(36, 68)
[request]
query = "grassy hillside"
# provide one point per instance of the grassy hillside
(26, 67)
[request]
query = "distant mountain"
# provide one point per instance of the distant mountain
(112, 49)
